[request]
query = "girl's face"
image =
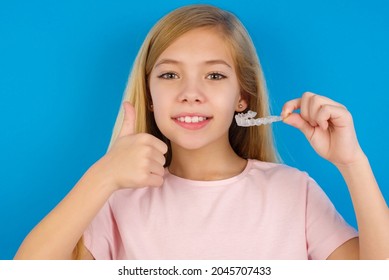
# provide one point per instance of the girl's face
(195, 90)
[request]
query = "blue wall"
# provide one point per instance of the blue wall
(64, 66)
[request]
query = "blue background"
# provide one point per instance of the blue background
(64, 66)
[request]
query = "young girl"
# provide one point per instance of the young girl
(182, 181)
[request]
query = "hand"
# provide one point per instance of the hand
(327, 125)
(134, 160)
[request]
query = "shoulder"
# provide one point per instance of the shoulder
(276, 171)
(125, 199)
(280, 179)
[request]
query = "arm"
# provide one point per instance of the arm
(370, 208)
(329, 128)
(135, 160)
(56, 236)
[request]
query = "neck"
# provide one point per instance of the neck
(215, 162)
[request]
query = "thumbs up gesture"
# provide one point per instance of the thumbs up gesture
(134, 160)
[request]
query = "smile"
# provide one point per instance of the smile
(191, 119)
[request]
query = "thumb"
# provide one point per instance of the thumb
(128, 125)
(297, 121)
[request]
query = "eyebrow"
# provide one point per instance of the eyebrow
(207, 62)
(217, 61)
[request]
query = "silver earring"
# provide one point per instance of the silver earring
(240, 106)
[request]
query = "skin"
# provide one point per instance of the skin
(195, 76)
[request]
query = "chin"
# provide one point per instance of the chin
(190, 146)
(194, 143)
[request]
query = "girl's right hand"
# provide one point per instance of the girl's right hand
(134, 160)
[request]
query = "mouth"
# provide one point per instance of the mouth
(192, 121)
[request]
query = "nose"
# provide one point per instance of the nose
(192, 92)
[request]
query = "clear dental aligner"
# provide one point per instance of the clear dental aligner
(247, 119)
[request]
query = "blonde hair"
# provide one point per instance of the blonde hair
(253, 142)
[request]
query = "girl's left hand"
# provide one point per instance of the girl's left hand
(328, 126)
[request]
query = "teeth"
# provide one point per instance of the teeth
(194, 119)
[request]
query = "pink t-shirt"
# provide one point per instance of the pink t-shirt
(269, 211)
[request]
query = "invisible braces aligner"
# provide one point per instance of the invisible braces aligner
(247, 119)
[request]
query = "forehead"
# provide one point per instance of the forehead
(200, 44)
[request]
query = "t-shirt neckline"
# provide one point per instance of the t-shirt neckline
(215, 183)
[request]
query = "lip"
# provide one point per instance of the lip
(191, 115)
(195, 125)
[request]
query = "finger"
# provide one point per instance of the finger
(290, 106)
(307, 111)
(320, 99)
(337, 116)
(159, 145)
(316, 104)
(153, 142)
(160, 158)
(155, 180)
(297, 121)
(156, 168)
(128, 125)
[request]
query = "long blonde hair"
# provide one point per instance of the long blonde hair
(253, 142)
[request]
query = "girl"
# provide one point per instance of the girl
(182, 181)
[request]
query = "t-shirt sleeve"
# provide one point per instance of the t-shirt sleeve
(99, 234)
(326, 230)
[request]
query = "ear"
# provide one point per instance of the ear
(242, 105)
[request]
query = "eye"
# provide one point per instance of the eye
(216, 76)
(168, 76)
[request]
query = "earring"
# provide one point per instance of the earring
(240, 106)
(151, 107)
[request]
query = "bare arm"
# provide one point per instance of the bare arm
(370, 208)
(56, 236)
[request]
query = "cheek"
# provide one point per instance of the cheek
(160, 100)
(230, 98)
(158, 92)
(155, 93)
(160, 103)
